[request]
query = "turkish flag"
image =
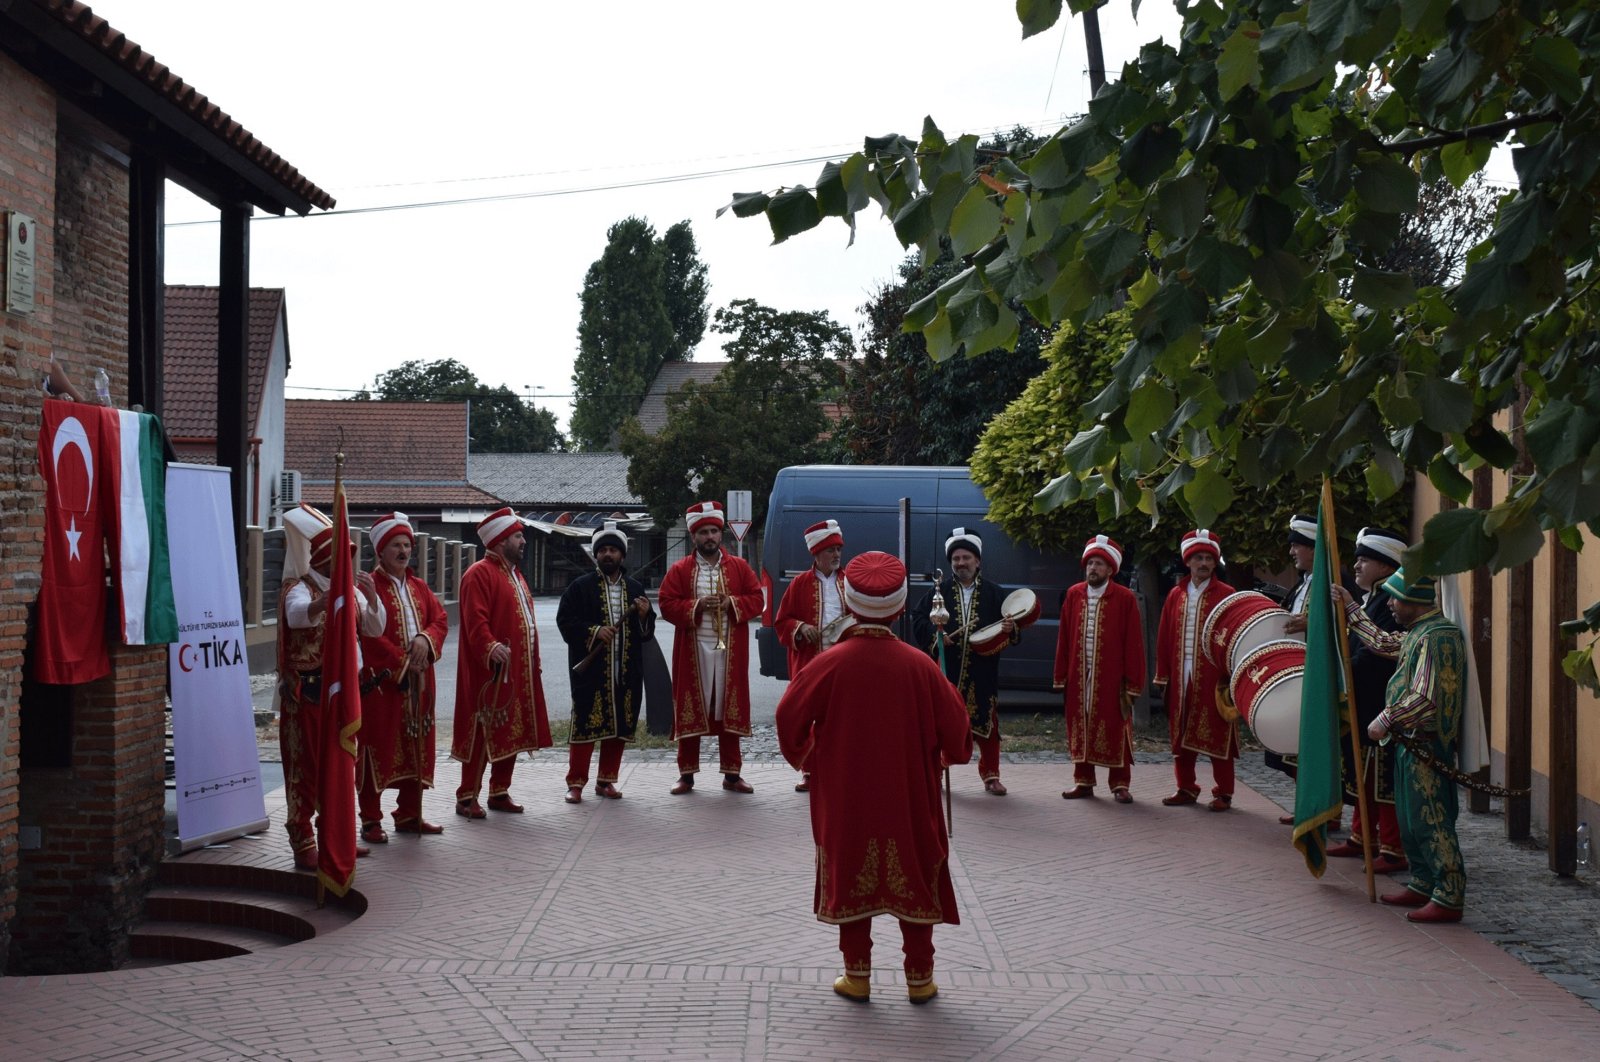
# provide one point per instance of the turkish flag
(341, 715)
(70, 622)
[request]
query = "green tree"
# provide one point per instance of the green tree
(1237, 183)
(500, 422)
(644, 303)
(762, 412)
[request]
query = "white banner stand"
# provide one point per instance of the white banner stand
(218, 772)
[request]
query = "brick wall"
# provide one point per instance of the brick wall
(27, 184)
(97, 799)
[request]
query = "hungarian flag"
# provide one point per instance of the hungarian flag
(1318, 785)
(70, 621)
(341, 715)
(136, 475)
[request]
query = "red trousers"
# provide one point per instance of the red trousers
(1388, 822)
(369, 797)
(472, 772)
(727, 750)
(916, 940)
(1119, 777)
(578, 754)
(989, 750)
(1183, 764)
(299, 731)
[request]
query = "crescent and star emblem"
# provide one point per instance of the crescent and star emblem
(70, 432)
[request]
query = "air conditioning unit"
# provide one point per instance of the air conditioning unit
(288, 488)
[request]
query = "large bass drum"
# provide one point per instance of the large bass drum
(1266, 689)
(1240, 623)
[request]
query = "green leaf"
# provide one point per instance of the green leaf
(1148, 408)
(1313, 351)
(1446, 404)
(1208, 495)
(1382, 289)
(914, 223)
(1452, 541)
(746, 204)
(974, 222)
(1139, 292)
(1181, 207)
(1063, 490)
(1449, 480)
(1090, 448)
(1559, 434)
(1239, 61)
(1110, 251)
(1149, 153)
(831, 198)
(1384, 473)
(1037, 16)
(1556, 62)
(1216, 266)
(1386, 185)
(1517, 539)
(792, 212)
(1464, 158)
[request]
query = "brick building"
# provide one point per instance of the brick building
(91, 129)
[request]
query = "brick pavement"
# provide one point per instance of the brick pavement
(1089, 929)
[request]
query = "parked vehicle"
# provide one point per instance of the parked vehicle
(865, 499)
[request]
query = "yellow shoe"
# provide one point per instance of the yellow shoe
(922, 993)
(856, 988)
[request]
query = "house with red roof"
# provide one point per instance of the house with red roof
(190, 379)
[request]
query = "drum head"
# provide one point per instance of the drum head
(1274, 716)
(1258, 631)
(1020, 607)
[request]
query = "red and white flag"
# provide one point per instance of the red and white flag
(70, 621)
(341, 714)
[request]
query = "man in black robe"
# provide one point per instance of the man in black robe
(605, 620)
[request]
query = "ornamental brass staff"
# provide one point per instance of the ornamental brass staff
(605, 619)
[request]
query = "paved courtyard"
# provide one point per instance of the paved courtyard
(661, 927)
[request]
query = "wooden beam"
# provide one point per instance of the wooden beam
(1478, 635)
(1563, 699)
(1519, 700)
(147, 181)
(233, 344)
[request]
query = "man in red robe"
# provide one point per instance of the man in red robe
(397, 687)
(710, 597)
(1100, 669)
(873, 717)
(812, 613)
(500, 709)
(1189, 683)
(302, 607)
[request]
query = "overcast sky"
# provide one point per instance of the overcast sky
(410, 102)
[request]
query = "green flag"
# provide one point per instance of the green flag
(1318, 786)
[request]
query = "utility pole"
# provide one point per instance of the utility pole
(1097, 58)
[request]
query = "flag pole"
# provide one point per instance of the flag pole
(1342, 628)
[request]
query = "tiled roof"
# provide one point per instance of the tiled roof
(189, 356)
(673, 375)
(155, 76)
(396, 453)
(555, 481)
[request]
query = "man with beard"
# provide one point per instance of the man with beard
(397, 688)
(812, 613)
(302, 605)
(976, 605)
(1187, 681)
(1425, 700)
(710, 597)
(875, 718)
(605, 619)
(500, 708)
(1100, 670)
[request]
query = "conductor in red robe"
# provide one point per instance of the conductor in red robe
(500, 708)
(1189, 683)
(710, 597)
(873, 716)
(397, 687)
(1100, 670)
(812, 614)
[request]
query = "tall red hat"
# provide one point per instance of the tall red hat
(875, 586)
(701, 512)
(497, 526)
(1201, 540)
(820, 536)
(1107, 550)
(387, 527)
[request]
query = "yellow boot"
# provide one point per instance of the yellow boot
(856, 988)
(923, 992)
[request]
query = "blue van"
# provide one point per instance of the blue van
(865, 499)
